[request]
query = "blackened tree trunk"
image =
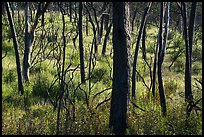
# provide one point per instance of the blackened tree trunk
(15, 43)
(106, 39)
(143, 42)
(43, 18)
(70, 11)
(191, 30)
(93, 28)
(155, 68)
(144, 45)
(188, 43)
(106, 18)
(188, 94)
(137, 48)
(62, 71)
(81, 49)
(162, 48)
(101, 29)
(133, 19)
(87, 26)
(3, 8)
(121, 68)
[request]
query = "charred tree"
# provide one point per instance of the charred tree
(137, 48)
(16, 45)
(81, 49)
(133, 19)
(161, 54)
(106, 39)
(188, 37)
(70, 11)
(121, 68)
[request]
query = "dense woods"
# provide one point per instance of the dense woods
(102, 68)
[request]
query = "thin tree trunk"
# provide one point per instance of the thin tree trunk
(75, 10)
(62, 74)
(144, 56)
(106, 39)
(106, 22)
(137, 48)
(16, 45)
(101, 29)
(162, 48)
(31, 13)
(97, 29)
(29, 37)
(81, 49)
(93, 28)
(87, 26)
(28, 45)
(70, 11)
(144, 45)
(133, 19)
(121, 68)
(155, 68)
(3, 8)
(191, 30)
(43, 18)
(180, 24)
(188, 88)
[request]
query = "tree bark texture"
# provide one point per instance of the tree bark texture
(81, 49)
(121, 68)
(188, 33)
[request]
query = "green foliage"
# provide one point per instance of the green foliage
(26, 115)
(97, 74)
(179, 65)
(10, 76)
(196, 68)
(52, 38)
(42, 84)
(197, 53)
(150, 48)
(171, 86)
(7, 47)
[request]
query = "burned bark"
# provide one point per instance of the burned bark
(121, 68)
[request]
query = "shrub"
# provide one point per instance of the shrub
(179, 65)
(170, 86)
(101, 74)
(196, 68)
(197, 53)
(10, 76)
(42, 84)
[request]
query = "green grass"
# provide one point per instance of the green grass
(33, 114)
